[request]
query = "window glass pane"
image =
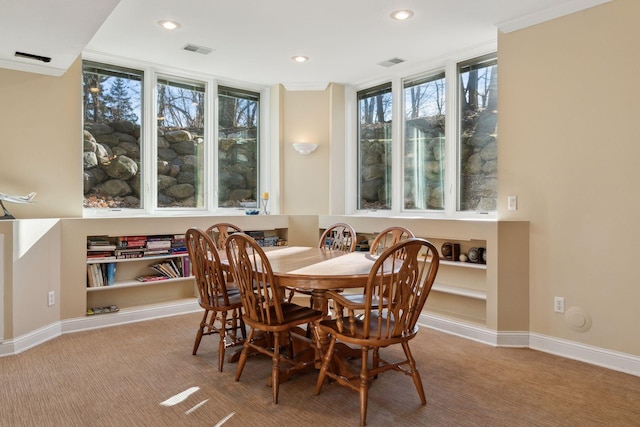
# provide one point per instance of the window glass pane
(180, 143)
(478, 153)
(112, 128)
(374, 148)
(238, 117)
(424, 150)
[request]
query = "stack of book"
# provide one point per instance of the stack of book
(158, 245)
(131, 247)
(178, 244)
(100, 247)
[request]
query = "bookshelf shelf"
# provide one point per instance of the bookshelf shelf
(136, 283)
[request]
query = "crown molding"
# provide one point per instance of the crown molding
(32, 68)
(548, 14)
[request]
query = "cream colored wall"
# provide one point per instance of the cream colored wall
(41, 122)
(569, 150)
(306, 178)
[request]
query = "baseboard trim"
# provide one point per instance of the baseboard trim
(617, 361)
(129, 316)
(609, 359)
(49, 332)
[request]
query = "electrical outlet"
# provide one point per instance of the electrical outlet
(558, 304)
(512, 203)
(52, 298)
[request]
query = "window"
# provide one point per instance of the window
(374, 148)
(238, 113)
(477, 121)
(444, 148)
(424, 150)
(180, 144)
(112, 121)
(176, 162)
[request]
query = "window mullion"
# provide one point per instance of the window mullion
(452, 138)
(148, 144)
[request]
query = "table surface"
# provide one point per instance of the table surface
(319, 269)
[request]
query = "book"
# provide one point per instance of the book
(111, 273)
(151, 278)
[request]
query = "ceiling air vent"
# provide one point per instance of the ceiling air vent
(32, 56)
(391, 62)
(198, 49)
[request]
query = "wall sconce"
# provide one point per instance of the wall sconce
(304, 148)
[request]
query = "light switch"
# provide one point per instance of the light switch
(512, 203)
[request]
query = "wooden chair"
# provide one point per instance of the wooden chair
(338, 237)
(222, 306)
(220, 231)
(383, 241)
(389, 237)
(402, 276)
(264, 309)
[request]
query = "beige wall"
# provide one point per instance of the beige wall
(569, 150)
(41, 122)
(306, 178)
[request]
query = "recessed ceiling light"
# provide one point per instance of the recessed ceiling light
(300, 58)
(402, 14)
(168, 25)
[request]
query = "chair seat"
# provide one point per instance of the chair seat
(357, 336)
(235, 301)
(292, 314)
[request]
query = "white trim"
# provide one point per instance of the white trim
(54, 330)
(617, 361)
(548, 14)
(598, 356)
(48, 70)
(292, 87)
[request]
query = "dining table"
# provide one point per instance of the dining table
(318, 270)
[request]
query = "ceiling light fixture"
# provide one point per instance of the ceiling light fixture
(300, 58)
(169, 25)
(402, 14)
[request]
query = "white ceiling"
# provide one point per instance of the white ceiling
(254, 40)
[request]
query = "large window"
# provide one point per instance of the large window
(444, 147)
(478, 121)
(424, 150)
(374, 148)
(112, 130)
(180, 143)
(238, 154)
(147, 153)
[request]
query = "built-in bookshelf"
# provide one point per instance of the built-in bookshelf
(116, 262)
(471, 286)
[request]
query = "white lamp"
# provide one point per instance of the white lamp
(304, 148)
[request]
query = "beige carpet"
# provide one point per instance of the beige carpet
(120, 376)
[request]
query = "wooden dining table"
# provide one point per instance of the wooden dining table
(318, 270)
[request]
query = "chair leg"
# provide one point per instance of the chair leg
(222, 345)
(275, 369)
(325, 365)
(364, 386)
(203, 322)
(244, 354)
(414, 373)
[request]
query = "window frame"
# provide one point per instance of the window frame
(452, 141)
(148, 143)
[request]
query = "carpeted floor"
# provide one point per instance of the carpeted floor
(121, 376)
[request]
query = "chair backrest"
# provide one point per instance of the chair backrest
(219, 233)
(339, 237)
(389, 237)
(206, 268)
(253, 275)
(402, 277)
